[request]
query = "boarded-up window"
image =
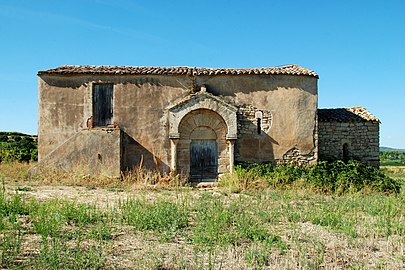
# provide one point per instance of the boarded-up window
(102, 104)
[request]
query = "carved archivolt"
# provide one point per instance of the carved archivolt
(198, 101)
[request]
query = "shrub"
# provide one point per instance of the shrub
(340, 177)
(336, 177)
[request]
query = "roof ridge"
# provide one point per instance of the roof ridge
(180, 66)
(290, 69)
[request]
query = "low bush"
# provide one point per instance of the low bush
(336, 177)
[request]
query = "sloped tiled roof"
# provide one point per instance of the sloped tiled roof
(189, 71)
(352, 114)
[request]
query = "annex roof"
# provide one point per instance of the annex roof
(352, 114)
(189, 71)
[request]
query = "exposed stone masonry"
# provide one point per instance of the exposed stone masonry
(248, 116)
(295, 157)
(361, 139)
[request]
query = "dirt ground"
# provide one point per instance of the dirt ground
(87, 195)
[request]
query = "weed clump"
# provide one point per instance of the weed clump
(165, 218)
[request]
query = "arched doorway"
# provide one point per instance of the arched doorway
(202, 147)
(201, 121)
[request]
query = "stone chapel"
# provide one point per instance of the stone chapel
(199, 122)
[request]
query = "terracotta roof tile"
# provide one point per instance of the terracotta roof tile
(352, 114)
(189, 71)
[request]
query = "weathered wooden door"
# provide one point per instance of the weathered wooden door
(203, 160)
(102, 104)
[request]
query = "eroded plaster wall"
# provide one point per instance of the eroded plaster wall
(141, 104)
(88, 152)
(288, 104)
(61, 108)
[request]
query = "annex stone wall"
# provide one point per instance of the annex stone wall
(349, 140)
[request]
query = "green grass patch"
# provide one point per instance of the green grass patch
(397, 162)
(219, 224)
(164, 217)
(55, 253)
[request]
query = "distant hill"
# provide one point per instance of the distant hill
(389, 149)
(17, 146)
(14, 133)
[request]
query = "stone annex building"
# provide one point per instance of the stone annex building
(195, 121)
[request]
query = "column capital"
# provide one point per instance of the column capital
(174, 136)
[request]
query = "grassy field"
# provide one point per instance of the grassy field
(47, 226)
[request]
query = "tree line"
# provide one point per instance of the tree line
(392, 155)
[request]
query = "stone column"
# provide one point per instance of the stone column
(173, 146)
(231, 151)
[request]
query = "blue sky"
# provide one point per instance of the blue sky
(356, 47)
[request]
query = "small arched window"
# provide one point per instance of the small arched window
(259, 116)
(345, 151)
(259, 125)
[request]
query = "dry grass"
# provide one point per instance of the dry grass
(15, 171)
(396, 171)
(138, 178)
(141, 178)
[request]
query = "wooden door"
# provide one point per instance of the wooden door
(203, 160)
(102, 104)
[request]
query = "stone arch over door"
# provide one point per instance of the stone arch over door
(202, 117)
(202, 141)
